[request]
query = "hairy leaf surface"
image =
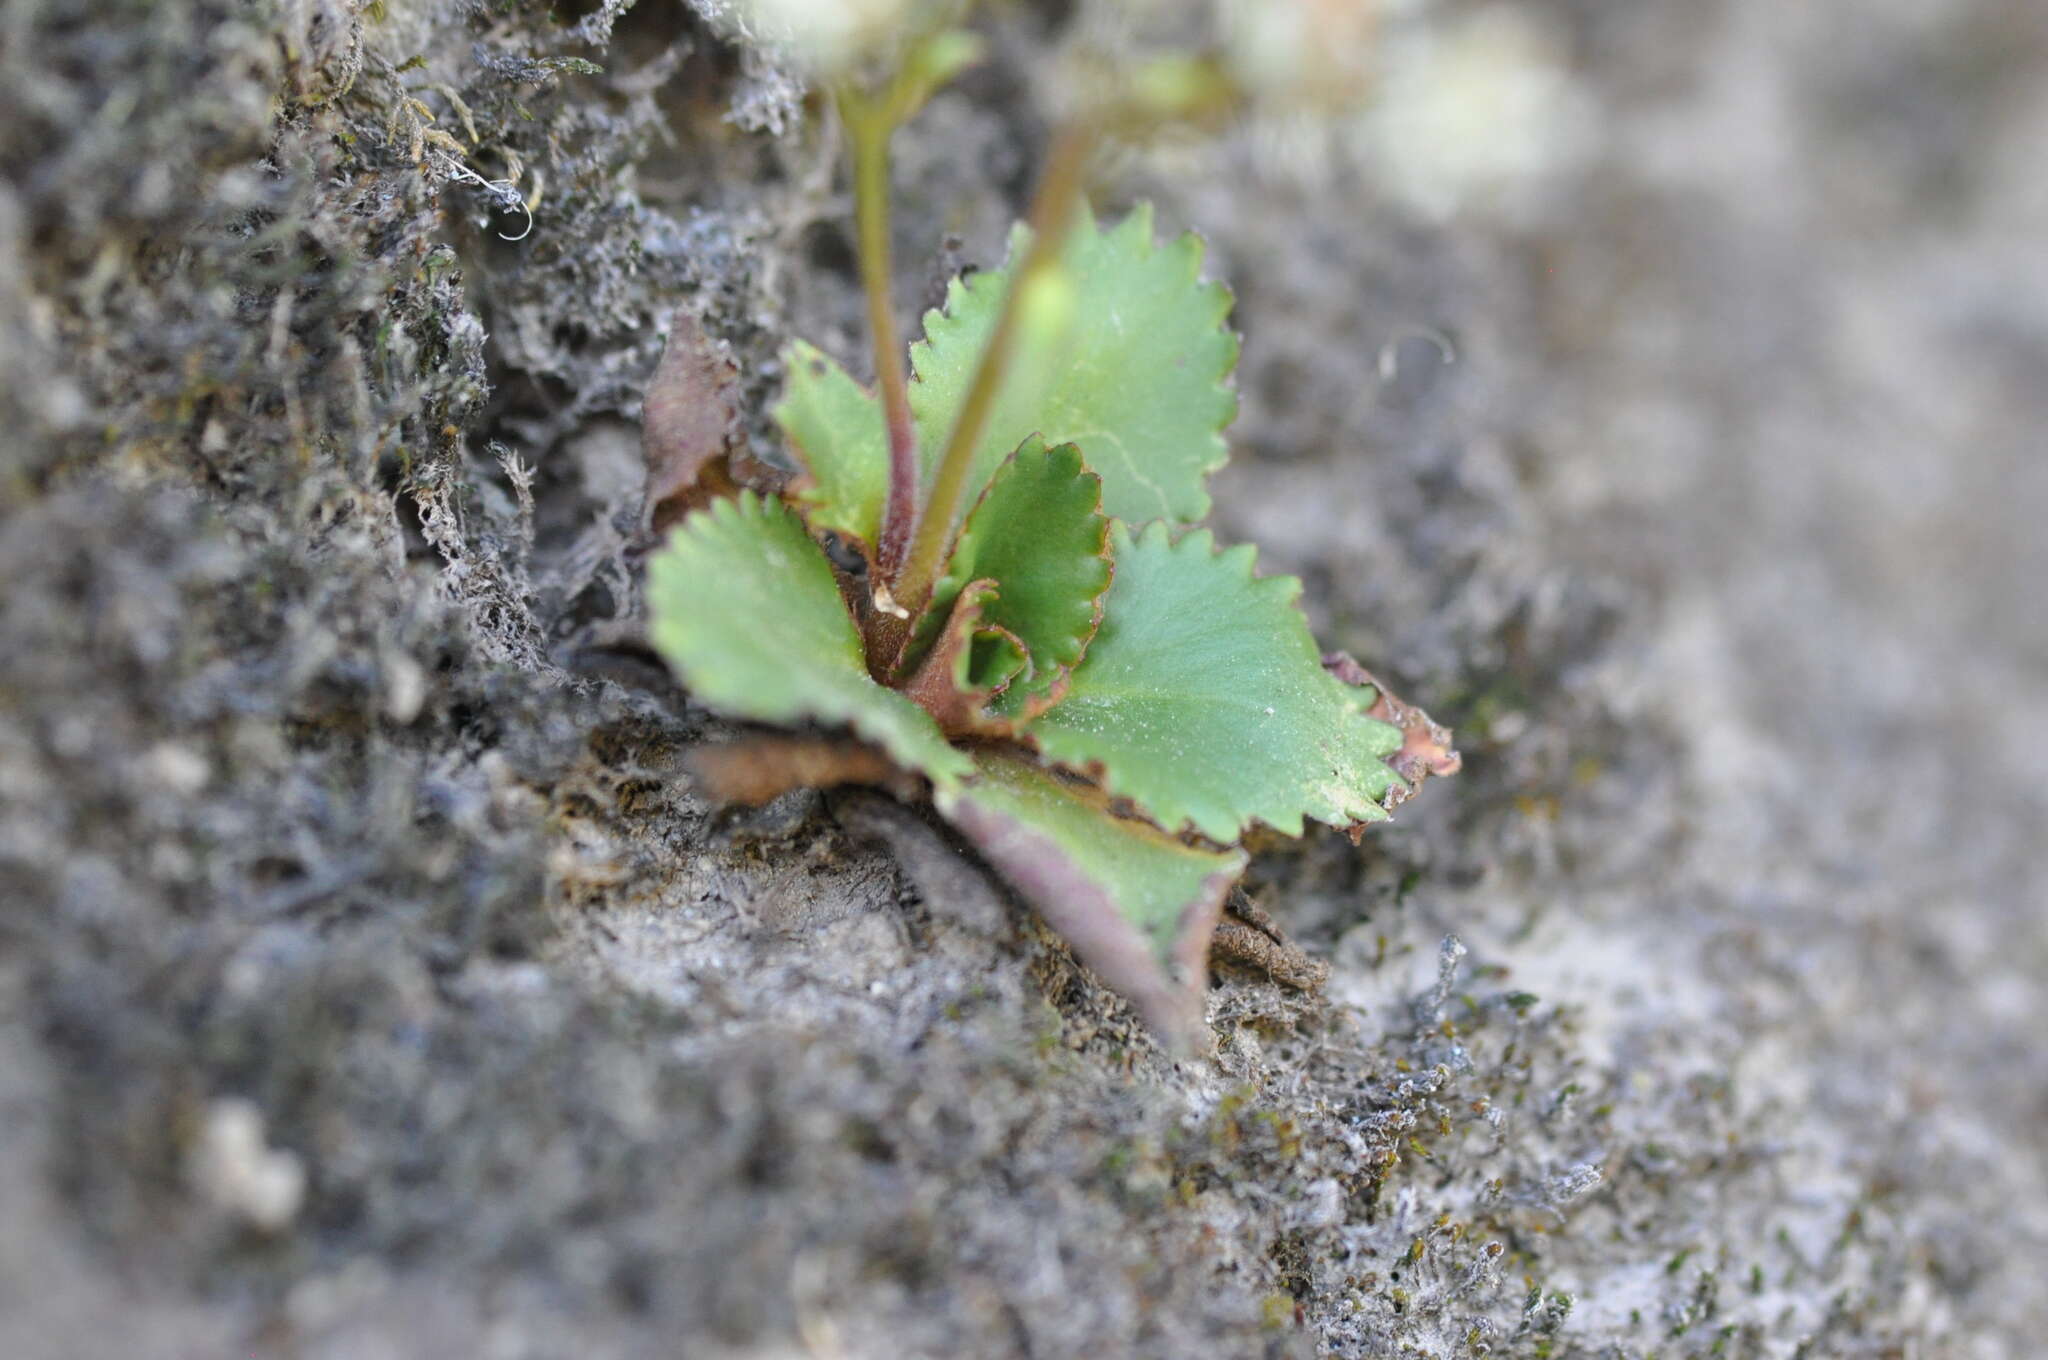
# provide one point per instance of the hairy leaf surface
(1131, 366)
(1137, 905)
(1203, 699)
(743, 606)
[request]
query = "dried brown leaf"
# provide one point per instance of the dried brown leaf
(1425, 743)
(689, 424)
(759, 770)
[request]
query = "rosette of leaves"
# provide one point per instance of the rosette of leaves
(1098, 697)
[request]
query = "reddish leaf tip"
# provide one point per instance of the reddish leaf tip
(1425, 743)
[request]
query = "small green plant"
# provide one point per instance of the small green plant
(1029, 619)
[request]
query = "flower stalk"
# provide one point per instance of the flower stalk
(869, 127)
(1052, 218)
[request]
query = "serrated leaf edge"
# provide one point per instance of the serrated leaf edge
(946, 588)
(752, 504)
(1287, 592)
(799, 492)
(943, 322)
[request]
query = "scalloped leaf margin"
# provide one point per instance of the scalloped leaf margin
(1137, 375)
(1203, 699)
(745, 609)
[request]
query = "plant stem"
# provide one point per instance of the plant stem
(1052, 217)
(869, 125)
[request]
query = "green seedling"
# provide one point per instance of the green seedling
(1019, 610)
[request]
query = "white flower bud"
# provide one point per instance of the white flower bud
(827, 37)
(1317, 54)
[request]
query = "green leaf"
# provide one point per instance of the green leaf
(1039, 533)
(996, 661)
(1137, 905)
(1203, 699)
(1135, 374)
(836, 429)
(744, 607)
(970, 661)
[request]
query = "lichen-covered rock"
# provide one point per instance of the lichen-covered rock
(374, 981)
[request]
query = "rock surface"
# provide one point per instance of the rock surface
(1652, 391)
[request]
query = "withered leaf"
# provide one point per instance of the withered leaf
(689, 424)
